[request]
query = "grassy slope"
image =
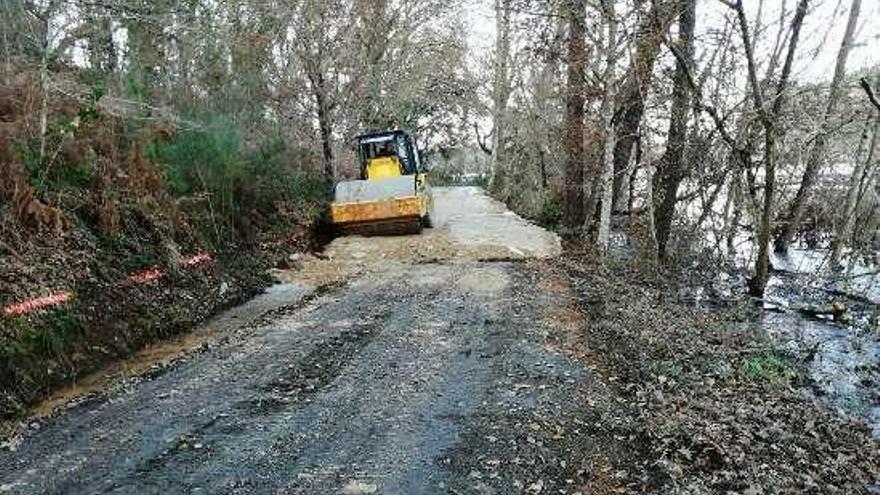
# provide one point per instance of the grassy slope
(114, 196)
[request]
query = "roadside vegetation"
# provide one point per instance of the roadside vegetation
(708, 164)
(114, 197)
(710, 402)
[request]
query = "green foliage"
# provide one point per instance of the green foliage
(238, 186)
(138, 260)
(61, 177)
(47, 336)
(768, 366)
(90, 112)
(11, 344)
(134, 84)
(51, 173)
(481, 180)
(550, 215)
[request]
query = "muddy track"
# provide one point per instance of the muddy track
(424, 372)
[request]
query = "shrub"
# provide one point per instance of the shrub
(49, 336)
(550, 214)
(238, 188)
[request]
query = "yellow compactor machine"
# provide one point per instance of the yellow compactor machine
(392, 195)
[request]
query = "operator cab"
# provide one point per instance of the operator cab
(387, 154)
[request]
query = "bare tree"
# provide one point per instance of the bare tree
(672, 170)
(817, 151)
(607, 116)
(573, 185)
(768, 119)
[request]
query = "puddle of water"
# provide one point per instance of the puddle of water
(860, 280)
(843, 362)
(843, 359)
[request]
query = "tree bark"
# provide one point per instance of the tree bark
(672, 171)
(869, 91)
(817, 151)
(500, 95)
(603, 236)
(573, 186)
(631, 100)
(649, 201)
(852, 194)
(326, 133)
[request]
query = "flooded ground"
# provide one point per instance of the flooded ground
(842, 354)
(857, 280)
(842, 361)
(843, 357)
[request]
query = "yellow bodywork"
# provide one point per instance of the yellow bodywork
(383, 167)
(391, 196)
(380, 210)
(412, 208)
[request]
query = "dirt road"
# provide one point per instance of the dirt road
(429, 364)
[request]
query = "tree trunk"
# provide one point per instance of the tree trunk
(768, 120)
(672, 171)
(573, 187)
(649, 201)
(636, 160)
(817, 151)
(603, 237)
(631, 102)
(758, 284)
(737, 199)
(324, 124)
(852, 195)
(500, 95)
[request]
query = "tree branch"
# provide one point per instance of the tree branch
(698, 98)
(870, 92)
(481, 142)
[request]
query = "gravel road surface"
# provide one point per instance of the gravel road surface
(422, 364)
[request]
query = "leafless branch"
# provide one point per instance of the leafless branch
(698, 99)
(870, 92)
(482, 142)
